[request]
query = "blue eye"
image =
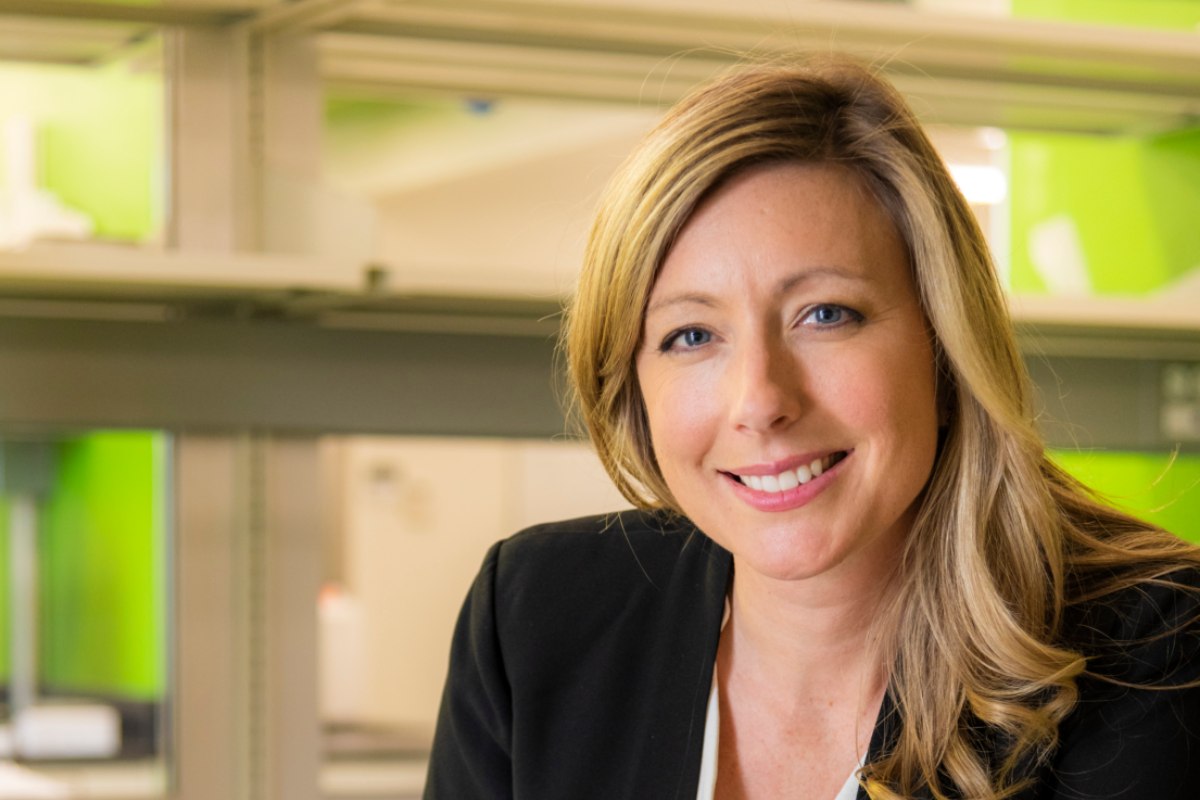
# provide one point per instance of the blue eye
(686, 339)
(828, 315)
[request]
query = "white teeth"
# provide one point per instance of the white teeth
(788, 479)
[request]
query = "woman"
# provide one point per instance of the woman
(854, 572)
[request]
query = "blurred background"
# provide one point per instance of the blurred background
(279, 290)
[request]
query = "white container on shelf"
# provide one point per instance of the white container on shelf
(66, 731)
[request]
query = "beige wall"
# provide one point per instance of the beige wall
(417, 516)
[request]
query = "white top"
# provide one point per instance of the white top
(712, 734)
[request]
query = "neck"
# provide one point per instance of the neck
(819, 634)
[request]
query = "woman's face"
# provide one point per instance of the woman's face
(788, 374)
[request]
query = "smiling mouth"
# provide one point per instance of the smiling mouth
(790, 478)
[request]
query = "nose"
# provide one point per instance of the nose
(765, 387)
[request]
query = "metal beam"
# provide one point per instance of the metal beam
(177, 13)
(304, 16)
(962, 69)
(286, 376)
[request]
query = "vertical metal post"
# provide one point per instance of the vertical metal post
(209, 687)
(289, 575)
(26, 473)
(210, 209)
(247, 572)
(23, 593)
(211, 202)
(244, 119)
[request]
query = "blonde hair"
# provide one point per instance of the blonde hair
(1001, 535)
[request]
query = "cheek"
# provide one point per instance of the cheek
(891, 395)
(683, 411)
(913, 425)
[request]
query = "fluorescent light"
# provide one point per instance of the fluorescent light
(981, 185)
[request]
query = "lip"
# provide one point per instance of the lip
(793, 498)
(776, 467)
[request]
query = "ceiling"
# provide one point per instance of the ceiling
(971, 68)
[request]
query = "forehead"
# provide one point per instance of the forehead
(781, 221)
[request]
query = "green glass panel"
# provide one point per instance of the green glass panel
(1157, 487)
(1164, 14)
(1133, 201)
(5, 607)
(1129, 205)
(102, 567)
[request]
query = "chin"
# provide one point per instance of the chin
(782, 557)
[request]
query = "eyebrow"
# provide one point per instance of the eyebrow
(785, 285)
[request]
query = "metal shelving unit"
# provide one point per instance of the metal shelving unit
(250, 340)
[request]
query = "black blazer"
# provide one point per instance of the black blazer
(582, 663)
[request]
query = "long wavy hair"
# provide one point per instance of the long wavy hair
(1004, 539)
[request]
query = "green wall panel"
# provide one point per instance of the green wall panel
(102, 567)
(1167, 14)
(1172, 164)
(1132, 201)
(5, 663)
(1152, 486)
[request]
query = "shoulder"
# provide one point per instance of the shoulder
(572, 586)
(582, 643)
(1147, 632)
(613, 559)
(623, 545)
(1135, 729)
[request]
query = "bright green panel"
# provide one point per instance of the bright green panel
(5, 607)
(1173, 176)
(1148, 485)
(99, 133)
(1133, 204)
(102, 590)
(1134, 201)
(1177, 14)
(1059, 176)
